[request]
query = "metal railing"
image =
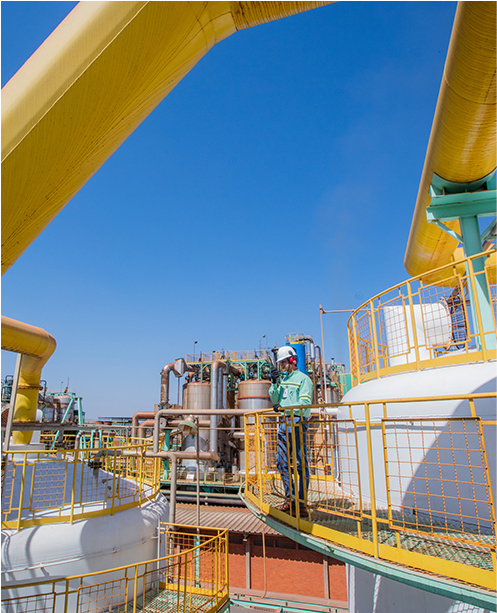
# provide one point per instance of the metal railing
(414, 490)
(40, 487)
(233, 356)
(447, 315)
(191, 576)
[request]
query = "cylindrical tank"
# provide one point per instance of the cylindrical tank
(253, 395)
(197, 397)
(301, 362)
(423, 451)
(99, 543)
(64, 400)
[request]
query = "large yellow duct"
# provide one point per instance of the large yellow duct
(36, 346)
(89, 85)
(462, 145)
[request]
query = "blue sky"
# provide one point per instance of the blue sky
(280, 174)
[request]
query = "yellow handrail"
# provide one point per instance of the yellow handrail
(127, 479)
(424, 323)
(196, 575)
(412, 489)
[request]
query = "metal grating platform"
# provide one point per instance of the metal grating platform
(169, 601)
(444, 547)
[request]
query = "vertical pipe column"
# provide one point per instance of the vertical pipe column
(13, 394)
(247, 562)
(479, 295)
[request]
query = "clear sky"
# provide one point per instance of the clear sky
(280, 174)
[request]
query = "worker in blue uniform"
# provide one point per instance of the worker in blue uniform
(292, 388)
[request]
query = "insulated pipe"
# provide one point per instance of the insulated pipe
(463, 144)
(89, 86)
(148, 423)
(322, 375)
(172, 412)
(136, 417)
(174, 456)
(164, 384)
(36, 346)
(218, 369)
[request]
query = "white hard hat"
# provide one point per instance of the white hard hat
(285, 352)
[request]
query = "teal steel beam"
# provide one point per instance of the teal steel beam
(429, 583)
(489, 233)
(455, 206)
(446, 229)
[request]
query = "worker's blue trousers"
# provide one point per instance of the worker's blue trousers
(284, 453)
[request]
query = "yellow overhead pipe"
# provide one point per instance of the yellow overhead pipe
(462, 145)
(89, 85)
(36, 347)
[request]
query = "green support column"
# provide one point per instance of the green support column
(466, 202)
(470, 231)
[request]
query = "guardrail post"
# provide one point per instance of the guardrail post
(356, 349)
(258, 455)
(371, 480)
(74, 480)
(375, 340)
(413, 326)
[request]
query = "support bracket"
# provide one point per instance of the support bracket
(453, 201)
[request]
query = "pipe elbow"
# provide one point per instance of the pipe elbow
(35, 344)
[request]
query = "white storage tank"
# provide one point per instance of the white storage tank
(430, 383)
(87, 545)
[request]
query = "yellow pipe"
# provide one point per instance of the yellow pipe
(89, 85)
(36, 347)
(462, 145)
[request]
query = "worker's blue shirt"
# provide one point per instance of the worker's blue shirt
(294, 389)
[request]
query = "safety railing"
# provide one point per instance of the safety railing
(190, 576)
(233, 356)
(447, 315)
(40, 487)
(404, 481)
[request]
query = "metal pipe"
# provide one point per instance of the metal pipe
(36, 347)
(164, 384)
(462, 149)
(174, 412)
(13, 394)
(217, 397)
(183, 455)
(174, 456)
(321, 375)
(134, 421)
(204, 423)
(148, 423)
(232, 501)
(197, 451)
(172, 495)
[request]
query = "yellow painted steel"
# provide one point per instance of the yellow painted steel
(89, 85)
(23, 505)
(453, 542)
(462, 145)
(195, 578)
(36, 347)
(371, 357)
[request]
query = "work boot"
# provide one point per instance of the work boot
(286, 507)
